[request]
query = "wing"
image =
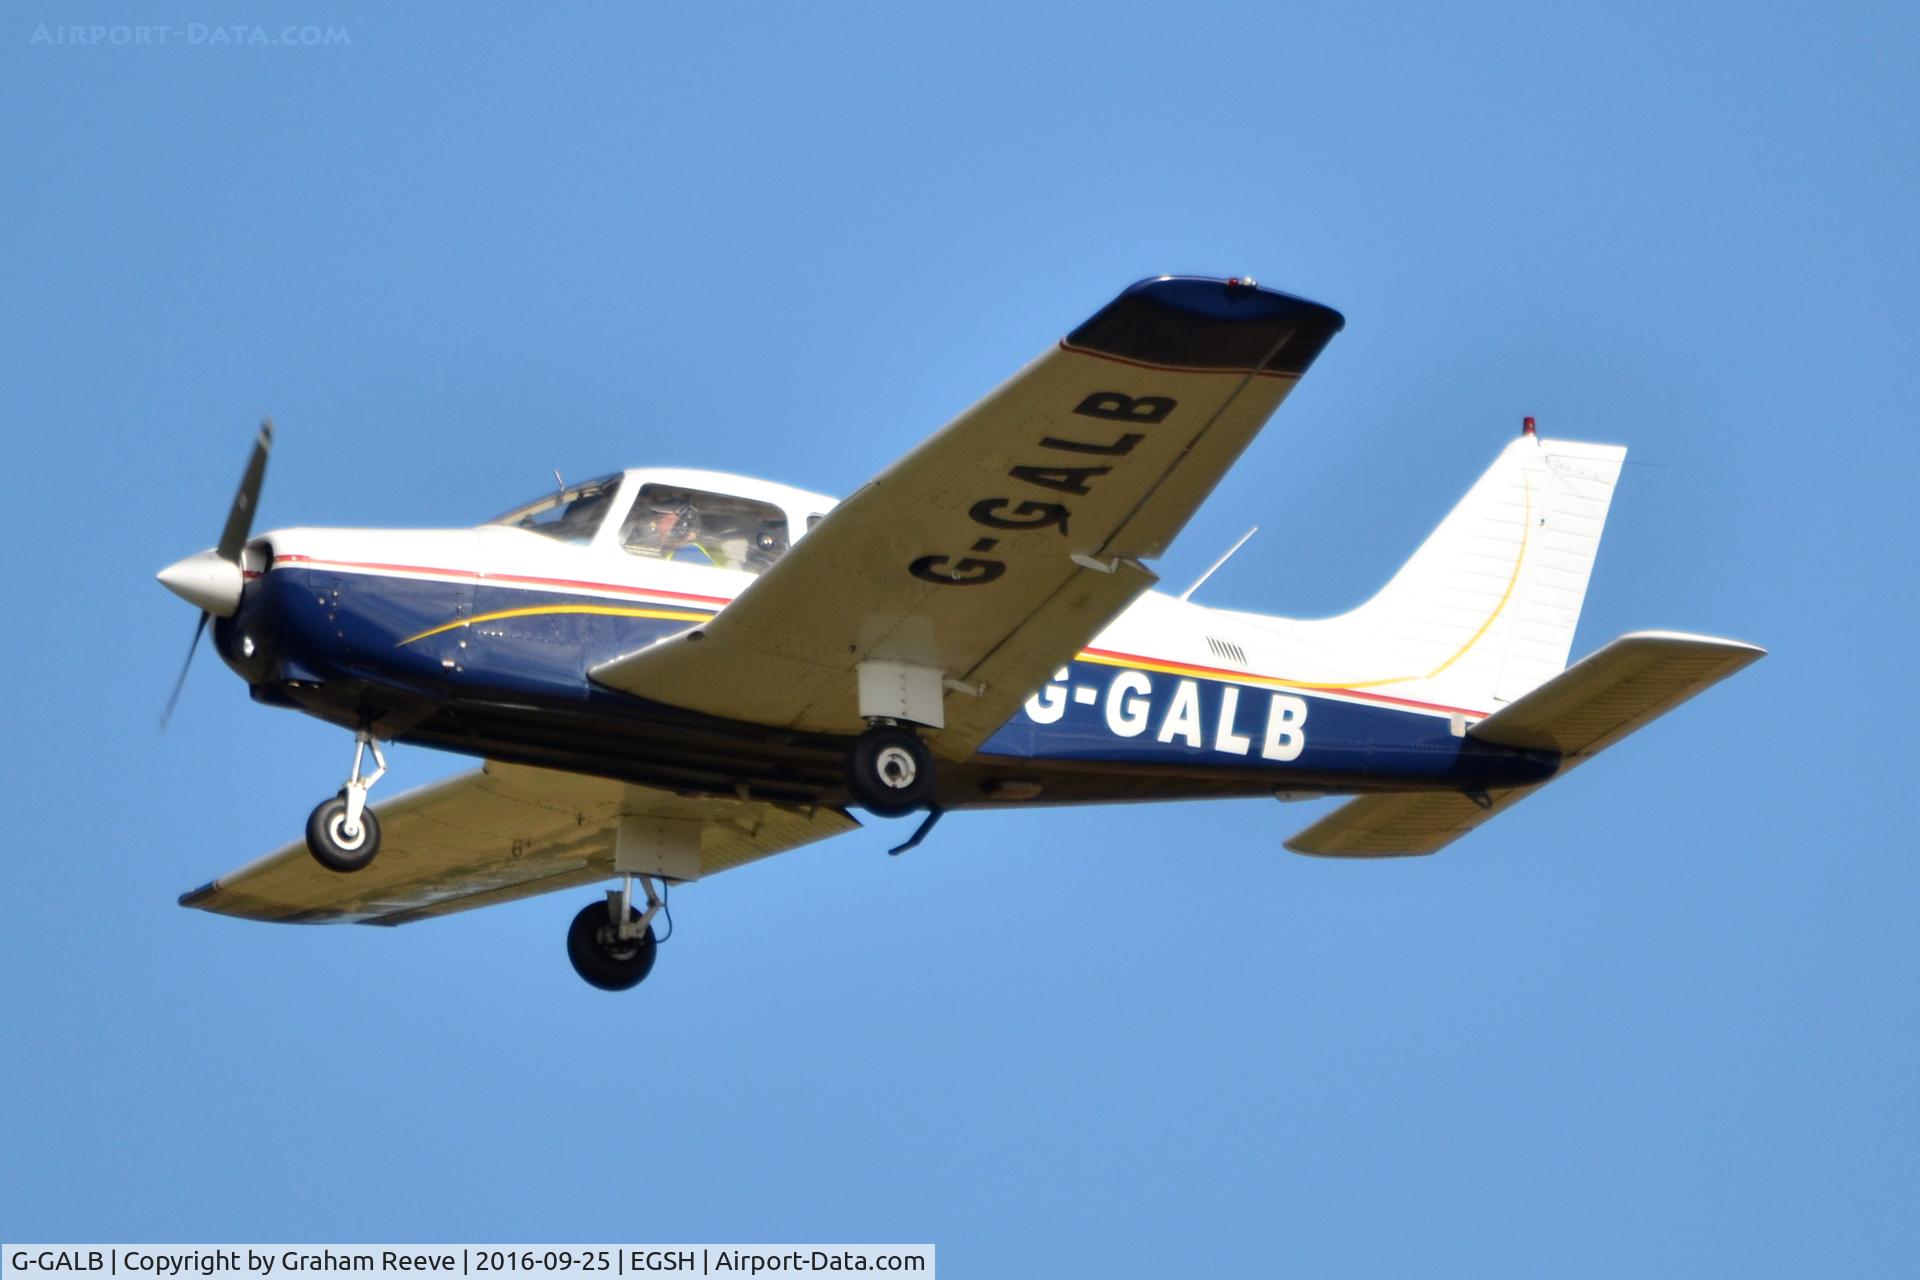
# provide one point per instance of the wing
(992, 552)
(496, 834)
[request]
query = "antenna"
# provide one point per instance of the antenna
(1201, 580)
(558, 483)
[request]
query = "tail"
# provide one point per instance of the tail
(1578, 714)
(1481, 620)
(1485, 610)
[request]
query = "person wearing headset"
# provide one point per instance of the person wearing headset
(669, 523)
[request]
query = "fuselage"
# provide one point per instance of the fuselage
(481, 640)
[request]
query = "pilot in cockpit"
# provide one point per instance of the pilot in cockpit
(669, 523)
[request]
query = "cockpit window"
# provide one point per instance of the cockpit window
(690, 525)
(572, 515)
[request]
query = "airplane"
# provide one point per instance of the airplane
(670, 673)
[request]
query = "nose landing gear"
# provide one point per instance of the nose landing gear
(337, 843)
(342, 833)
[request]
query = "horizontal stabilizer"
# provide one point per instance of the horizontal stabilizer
(1610, 693)
(1580, 712)
(1401, 825)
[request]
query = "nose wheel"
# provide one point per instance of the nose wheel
(333, 844)
(342, 833)
(890, 771)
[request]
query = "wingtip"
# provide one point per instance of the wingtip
(1725, 643)
(1209, 324)
(1236, 297)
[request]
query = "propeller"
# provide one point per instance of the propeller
(213, 578)
(180, 682)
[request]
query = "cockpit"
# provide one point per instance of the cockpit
(725, 522)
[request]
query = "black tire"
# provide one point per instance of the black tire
(602, 960)
(328, 843)
(890, 771)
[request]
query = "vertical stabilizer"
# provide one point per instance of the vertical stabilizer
(1573, 485)
(1485, 610)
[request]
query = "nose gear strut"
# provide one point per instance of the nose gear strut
(342, 833)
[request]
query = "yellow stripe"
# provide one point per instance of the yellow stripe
(1526, 529)
(605, 610)
(1275, 682)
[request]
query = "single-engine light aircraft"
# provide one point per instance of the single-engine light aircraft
(669, 673)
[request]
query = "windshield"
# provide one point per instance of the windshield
(572, 515)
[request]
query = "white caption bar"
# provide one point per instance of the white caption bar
(419, 1261)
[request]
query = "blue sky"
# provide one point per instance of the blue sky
(1661, 1017)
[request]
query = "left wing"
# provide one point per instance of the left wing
(496, 834)
(996, 549)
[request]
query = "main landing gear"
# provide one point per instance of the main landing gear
(890, 770)
(611, 943)
(342, 833)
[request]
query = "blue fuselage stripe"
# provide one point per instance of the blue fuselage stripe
(315, 625)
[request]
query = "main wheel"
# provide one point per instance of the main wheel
(890, 771)
(605, 961)
(327, 838)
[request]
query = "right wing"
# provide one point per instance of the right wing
(497, 834)
(1582, 711)
(991, 553)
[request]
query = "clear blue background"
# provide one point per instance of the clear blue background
(1660, 1018)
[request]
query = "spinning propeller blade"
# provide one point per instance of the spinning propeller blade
(185, 667)
(213, 579)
